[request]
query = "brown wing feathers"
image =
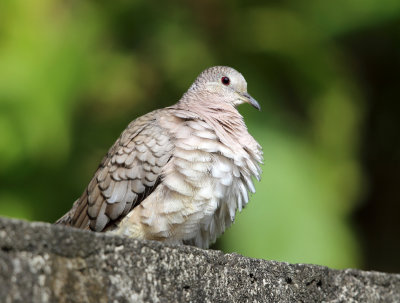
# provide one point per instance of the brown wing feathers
(127, 175)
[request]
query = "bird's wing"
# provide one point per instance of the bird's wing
(127, 175)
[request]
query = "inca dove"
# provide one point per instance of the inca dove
(177, 174)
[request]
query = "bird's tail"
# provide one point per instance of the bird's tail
(73, 216)
(67, 218)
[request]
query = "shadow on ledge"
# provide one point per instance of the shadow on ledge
(41, 262)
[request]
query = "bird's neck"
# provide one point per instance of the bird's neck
(224, 117)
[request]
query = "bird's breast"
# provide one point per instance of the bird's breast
(204, 183)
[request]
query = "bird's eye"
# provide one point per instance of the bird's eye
(225, 80)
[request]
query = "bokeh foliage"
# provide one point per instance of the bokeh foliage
(74, 74)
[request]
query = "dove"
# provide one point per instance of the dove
(177, 174)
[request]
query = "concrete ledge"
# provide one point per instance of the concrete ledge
(40, 262)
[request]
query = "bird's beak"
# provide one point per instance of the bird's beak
(249, 99)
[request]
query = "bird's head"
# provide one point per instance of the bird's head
(225, 82)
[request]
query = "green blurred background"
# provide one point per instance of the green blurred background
(326, 73)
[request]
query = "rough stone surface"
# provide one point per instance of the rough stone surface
(40, 262)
